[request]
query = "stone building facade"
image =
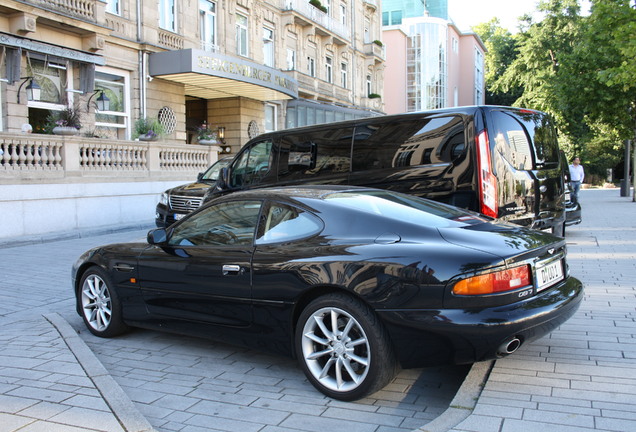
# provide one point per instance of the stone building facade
(246, 66)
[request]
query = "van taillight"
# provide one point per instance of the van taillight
(486, 179)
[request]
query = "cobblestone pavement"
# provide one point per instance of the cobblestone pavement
(175, 383)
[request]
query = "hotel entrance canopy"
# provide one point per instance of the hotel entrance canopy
(210, 75)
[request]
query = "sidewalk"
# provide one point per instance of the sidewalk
(56, 376)
(583, 376)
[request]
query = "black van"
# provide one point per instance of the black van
(502, 162)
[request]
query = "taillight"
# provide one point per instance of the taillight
(485, 177)
(501, 281)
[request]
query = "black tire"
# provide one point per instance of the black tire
(99, 304)
(354, 361)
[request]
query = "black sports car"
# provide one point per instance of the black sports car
(353, 282)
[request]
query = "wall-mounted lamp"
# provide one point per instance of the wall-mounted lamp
(221, 134)
(33, 90)
(102, 101)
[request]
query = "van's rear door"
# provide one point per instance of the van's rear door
(526, 162)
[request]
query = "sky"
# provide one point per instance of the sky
(467, 13)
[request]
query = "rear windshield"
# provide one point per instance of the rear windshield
(406, 208)
(522, 135)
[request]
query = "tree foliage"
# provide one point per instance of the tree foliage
(501, 50)
(581, 70)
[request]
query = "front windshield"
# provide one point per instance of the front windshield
(407, 208)
(212, 173)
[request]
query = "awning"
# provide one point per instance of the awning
(210, 75)
(31, 45)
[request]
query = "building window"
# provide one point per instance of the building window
(291, 59)
(369, 90)
(52, 76)
(113, 6)
(268, 47)
(455, 43)
(207, 24)
(344, 79)
(167, 16)
(327, 5)
(392, 18)
(114, 122)
(241, 35)
(311, 66)
(343, 14)
(329, 69)
(271, 117)
(367, 30)
(479, 77)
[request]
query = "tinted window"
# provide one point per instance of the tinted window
(315, 154)
(281, 223)
(230, 223)
(515, 133)
(409, 142)
(252, 165)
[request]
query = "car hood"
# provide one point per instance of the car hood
(195, 188)
(503, 240)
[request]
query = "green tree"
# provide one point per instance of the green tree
(501, 48)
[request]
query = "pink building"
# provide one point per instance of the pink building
(431, 64)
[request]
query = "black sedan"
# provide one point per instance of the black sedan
(353, 282)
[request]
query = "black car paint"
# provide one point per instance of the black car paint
(406, 283)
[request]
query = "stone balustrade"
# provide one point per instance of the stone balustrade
(37, 158)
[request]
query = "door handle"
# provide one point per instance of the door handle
(231, 268)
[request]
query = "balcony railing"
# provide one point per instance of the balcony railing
(81, 8)
(37, 158)
(302, 7)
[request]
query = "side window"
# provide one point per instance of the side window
(282, 223)
(225, 224)
(409, 142)
(511, 140)
(252, 166)
(315, 154)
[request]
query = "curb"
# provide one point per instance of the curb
(464, 401)
(120, 404)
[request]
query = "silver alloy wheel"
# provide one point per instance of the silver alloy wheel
(336, 349)
(96, 302)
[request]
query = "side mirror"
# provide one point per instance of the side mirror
(200, 177)
(221, 181)
(158, 237)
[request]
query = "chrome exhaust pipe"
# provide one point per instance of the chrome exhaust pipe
(509, 347)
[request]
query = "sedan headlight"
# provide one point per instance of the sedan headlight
(164, 199)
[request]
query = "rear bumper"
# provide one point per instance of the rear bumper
(429, 337)
(573, 214)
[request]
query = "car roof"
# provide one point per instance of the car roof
(304, 191)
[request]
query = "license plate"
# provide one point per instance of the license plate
(549, 274)
(178, 216)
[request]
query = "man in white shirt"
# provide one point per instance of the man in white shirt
(577, 175)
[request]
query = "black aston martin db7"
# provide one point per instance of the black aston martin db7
(354, 282)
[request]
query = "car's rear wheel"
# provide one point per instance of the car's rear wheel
(343, 348)
(101, 309)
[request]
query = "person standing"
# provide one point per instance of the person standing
(577, 175)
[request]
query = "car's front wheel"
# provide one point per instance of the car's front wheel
(101, 309)
(343, 348)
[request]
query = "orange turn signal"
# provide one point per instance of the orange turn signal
(501, 281)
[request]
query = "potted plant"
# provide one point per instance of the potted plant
(205, 135)
(147, 129)
(64, 122)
